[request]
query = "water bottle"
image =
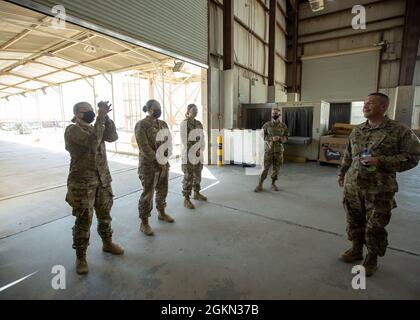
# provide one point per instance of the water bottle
(366, 154)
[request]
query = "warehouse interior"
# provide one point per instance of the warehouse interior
(235, 59)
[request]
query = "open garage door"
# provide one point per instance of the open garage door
(44, 71)
(175, 28)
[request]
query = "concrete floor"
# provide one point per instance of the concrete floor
(239, 245)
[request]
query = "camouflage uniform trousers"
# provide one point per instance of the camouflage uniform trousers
(275, 160)
(192, 178)
(367, 216)
(152, 179)
(83, 202)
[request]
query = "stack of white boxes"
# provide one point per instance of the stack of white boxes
(243, 147)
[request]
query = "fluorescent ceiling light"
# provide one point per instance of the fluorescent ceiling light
(178, 66)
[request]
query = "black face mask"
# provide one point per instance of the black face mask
(193, 114)
(88, 116)
(276, 116)
(157, 113)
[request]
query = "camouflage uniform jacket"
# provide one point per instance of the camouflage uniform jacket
(86, 145)
(394, 144)
(186, 127)
(271, 129)
(146, 132)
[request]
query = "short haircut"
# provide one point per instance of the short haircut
(78, 105)
(384, 96)
(190, 106)
(275, 108)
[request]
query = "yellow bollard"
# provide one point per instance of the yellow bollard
(220, 151)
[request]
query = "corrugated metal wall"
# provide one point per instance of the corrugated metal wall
(250, 52)
(178, 27)
(281, 45)
(251, 36)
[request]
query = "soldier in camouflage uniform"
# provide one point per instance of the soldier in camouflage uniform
(89, 180)
(192, 164)
(154, 142)
(275, 134)
(377, 149)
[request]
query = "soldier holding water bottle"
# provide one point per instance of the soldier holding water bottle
(377, 149)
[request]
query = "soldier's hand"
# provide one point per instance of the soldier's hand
(104, 107)
(276, 138)
(340, 181)
(370, 161)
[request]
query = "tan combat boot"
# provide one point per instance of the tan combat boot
(370, 264)
(145, 227)
(165, 217)
(81, 263)
(109, 246)
(355, 253)
(199, 196)
(273, 186)
(259, 188)
(188, 204)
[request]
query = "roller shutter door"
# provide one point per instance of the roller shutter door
(340, 78)
(177, 28)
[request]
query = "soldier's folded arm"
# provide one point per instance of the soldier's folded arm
(346, 162)
(92, 140)
(408, 156)
(144, 145)
(286, 133)
(110, 133)
(267, 136)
